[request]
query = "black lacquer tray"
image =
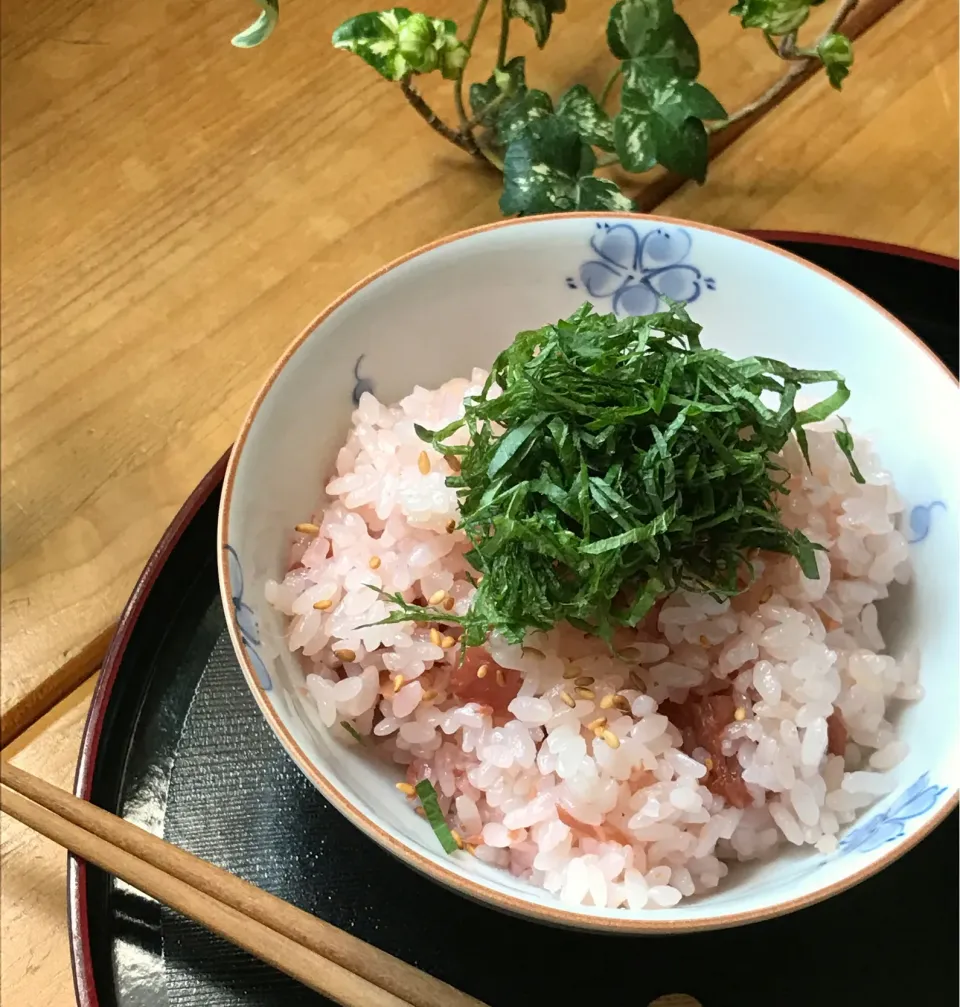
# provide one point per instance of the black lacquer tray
(175, 742)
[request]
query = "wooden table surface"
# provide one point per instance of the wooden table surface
(175, 210)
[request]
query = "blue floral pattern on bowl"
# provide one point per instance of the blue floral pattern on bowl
(246, 620)
(921, 520)
(636, 271)
(890, 825)
(360, 385)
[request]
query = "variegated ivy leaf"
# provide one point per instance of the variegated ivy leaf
(682, 46)
(660, 119)
(633, 138)
(836, 54)
(636, 27)
(775, 17)
(538, 14)
(510, 81)
(580, 108)
(543, 167)
(515, 116)
(650, 28)
(260, 30)
(601, 194)
(397, 42)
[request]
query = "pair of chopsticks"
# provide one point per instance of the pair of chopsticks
(341, 967)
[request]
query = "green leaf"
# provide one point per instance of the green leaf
(844, 441)
(660, 119)
(612, 467)
(452, 53)
(353, 732)
(836, 54)
(431, 808)
(373, 37)
(538, 14)
(682, 148)
(511, 80)
(516, 115)
(636, 27)
(775, 17)
(396, 43)
(682, 46)
(633, 138)
(579, 107)
(542, 168)
(260, 30)
(601, 194)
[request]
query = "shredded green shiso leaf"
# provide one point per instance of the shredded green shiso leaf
(352, 731)
(621, 460)
(431, 808)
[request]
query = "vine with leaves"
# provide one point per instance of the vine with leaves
(548, 151)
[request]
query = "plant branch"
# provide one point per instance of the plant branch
(465, 126)
(801, 62)
(843, 12)
(504, 34)
(608, 86)
(434, 121)
(475, 120)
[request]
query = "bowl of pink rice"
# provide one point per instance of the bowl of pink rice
(723, 759)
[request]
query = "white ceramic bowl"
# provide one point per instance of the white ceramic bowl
(452, 305)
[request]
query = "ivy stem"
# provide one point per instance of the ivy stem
(465, 126)
(608, 86)
(434, 121)
(605, 160)
(801, 59)
(504, 34)
(475, 121)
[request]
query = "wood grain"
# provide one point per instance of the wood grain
(326, 959)
(35, 961)
(175, 211)
(882, 164)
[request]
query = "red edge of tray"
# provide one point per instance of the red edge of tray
(78, 918)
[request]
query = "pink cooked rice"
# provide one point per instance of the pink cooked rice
(649, 833)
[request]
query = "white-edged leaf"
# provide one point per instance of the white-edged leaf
(374, 38)
(542, 168)
(516, 115)
(579, 107)
(636, 27)
(836, 54)
(260, 30)
(661, 118)
(538, 14)
(601, 194)
(633, 139)
(512, 79)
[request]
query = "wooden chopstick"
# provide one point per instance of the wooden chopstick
(342, 967)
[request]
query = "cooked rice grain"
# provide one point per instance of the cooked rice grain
(619, 815)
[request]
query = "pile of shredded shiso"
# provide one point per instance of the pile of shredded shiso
(620, 461)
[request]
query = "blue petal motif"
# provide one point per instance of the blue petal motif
(236, 573)
(679, 283)
(664, 247)
(259, 668)
(636, 271)
(361, 385)
(619, 245)
(246, 620)
(599, 279)
(917, 799)
(635, 299)
(921, 518)
(890, 825)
